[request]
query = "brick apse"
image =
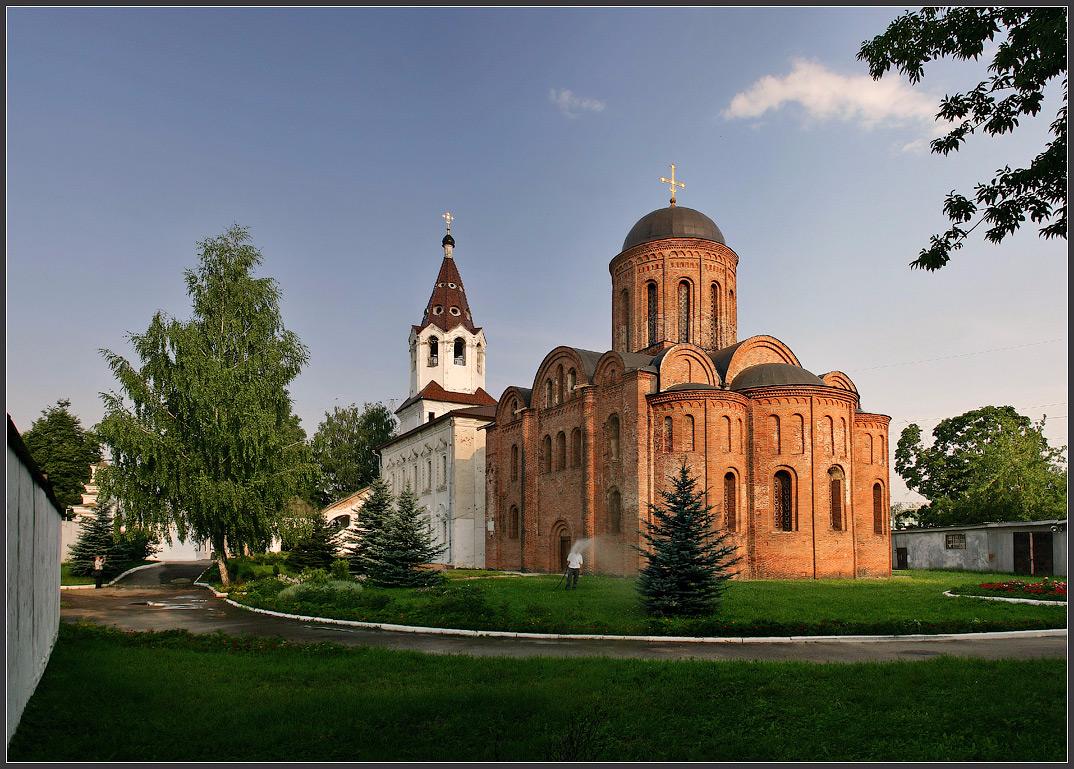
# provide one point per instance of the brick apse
(794, 469)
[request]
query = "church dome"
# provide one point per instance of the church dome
(673, 222)
(774, 375)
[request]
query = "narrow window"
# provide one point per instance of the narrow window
(428, 474)
(878, 509)
(773, 431)
(434, 351)
(546, 454)
(514, 462)
(480, 359)
(460, 351)
(443, 470)
(559, 385)
(843, 435)
(650, 311)
(727, 432)
(730, 504)
(714, 316)
(615, 512)
(572, 382)
(668, 437)
(868, 448)
(613, 437)
(835, 489)
(512, 523)
(432, 415)
(623, 331)
(830, 435)
(547, 393)
(784, 501)
(561, 451)
(798, 426)
(684, 311)
(576, 447)
(688, 433)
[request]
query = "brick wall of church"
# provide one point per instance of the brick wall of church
(873, 547)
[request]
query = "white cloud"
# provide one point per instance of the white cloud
(571, 105)
(825, 95)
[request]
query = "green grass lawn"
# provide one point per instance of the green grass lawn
(176, 697)
(67, 578)
(907, 603)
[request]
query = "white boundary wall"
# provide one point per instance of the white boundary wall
(33, 583)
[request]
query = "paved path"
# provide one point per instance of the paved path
(150, 600)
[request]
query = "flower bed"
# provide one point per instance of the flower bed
(1047, 589)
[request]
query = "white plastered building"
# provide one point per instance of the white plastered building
(440, 450)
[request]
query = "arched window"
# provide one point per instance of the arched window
(783, 500)
(624, 319)
(730, 502)
(835, 489)
(512, 522)
(868, 448)
(727, 433)
(546, 454)
(615, 512)
(340, 522)
(572, 382)
(428, 474)
(829, 437)
(651, 311)
(798, 427)
(878, 509)
(547, 393)
(741, 437)
(514, 462)
(613, 437)
(561, 450)
(480, 359)
(668, 436)
(843, 435)
(434, 351)
(460, 351)
(443, 469)
(773, 432)
(559, 385)
(684, 311)
(688, 433)
(576, 447)
(714, 315)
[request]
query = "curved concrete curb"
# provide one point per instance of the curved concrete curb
(647, 638)
(115, 579)
(1033, 601)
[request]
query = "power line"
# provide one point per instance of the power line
(1017, 408)
(962, 355)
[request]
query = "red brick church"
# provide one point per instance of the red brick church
(795, 470)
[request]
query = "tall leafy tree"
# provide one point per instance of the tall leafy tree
(989, 464)
(63, 450)
(364, 542)
(345, 448)
(403, 546)
(688, 561)
(201, 430)
(1030, 55)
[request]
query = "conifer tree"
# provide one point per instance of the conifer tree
(318, 547)
(688, 561)
(96, 537)
(403, 546)
(363, 543)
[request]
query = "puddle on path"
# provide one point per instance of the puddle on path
(163, 605)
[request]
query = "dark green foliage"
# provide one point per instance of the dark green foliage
(380, 705)
(688, 562)
(366, 531)
(345, 448)
(203, 433)
(98, 536)
(989, 464)
(318, 547)
(340, 569)
(1030, 55)
(63, 451)
(398, 551)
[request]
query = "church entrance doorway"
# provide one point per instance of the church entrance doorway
(564, 550)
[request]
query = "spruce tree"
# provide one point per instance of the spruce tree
(363, 543)
(403, 546)
(96, 537)
(318, 547)
(688, 561)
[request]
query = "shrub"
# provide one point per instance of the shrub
(341, 569)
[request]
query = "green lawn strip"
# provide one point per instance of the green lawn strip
(904, 604)
(976, 589)
(67, 578)
(173, 696)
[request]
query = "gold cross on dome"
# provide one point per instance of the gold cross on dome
(672, 183)
(447, 217)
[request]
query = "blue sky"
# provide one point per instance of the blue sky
(340, 135)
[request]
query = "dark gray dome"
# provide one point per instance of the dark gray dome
(673, 222)
(774, 375)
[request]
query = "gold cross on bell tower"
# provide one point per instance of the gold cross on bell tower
(447, 217)
(672, 183)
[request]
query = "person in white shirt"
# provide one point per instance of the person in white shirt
(574, 568)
